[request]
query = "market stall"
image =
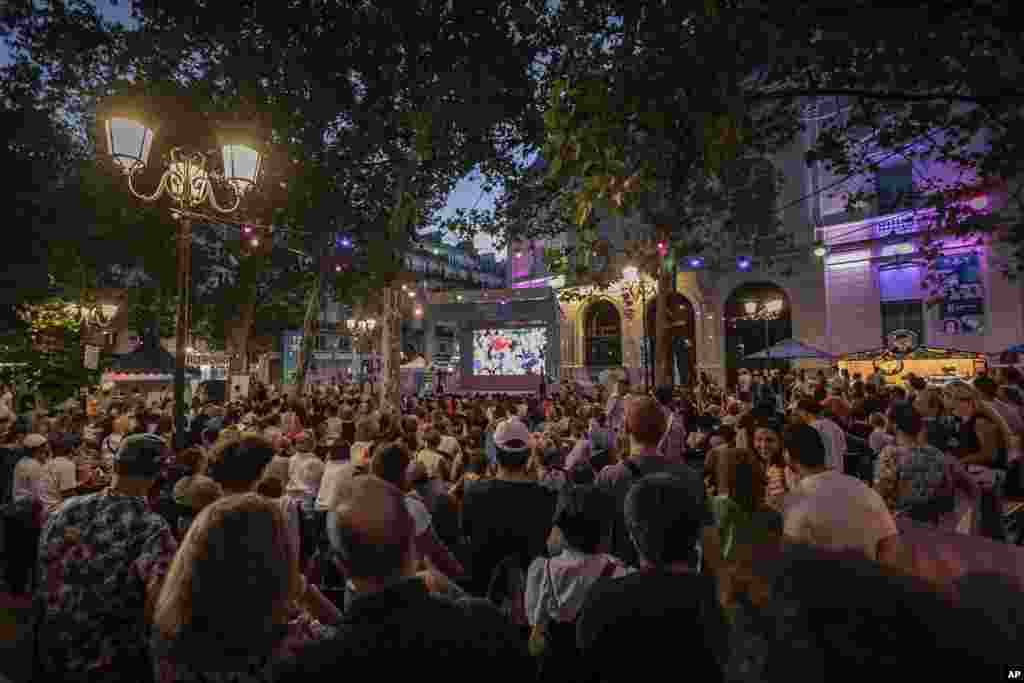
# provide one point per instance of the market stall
(930, 362)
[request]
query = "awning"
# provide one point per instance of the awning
(789, 349)
(920, 353)
(136, 377)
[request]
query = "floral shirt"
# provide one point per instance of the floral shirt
(909, 479)
(97, 554)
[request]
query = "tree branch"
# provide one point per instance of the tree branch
(889, 96)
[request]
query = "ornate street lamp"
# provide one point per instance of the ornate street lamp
(188, 179)
(359, 329)
(636, 289)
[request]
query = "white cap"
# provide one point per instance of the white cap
(34, 441)
(512, 435)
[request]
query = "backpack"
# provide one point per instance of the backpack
(507, 590)
(9, 458)
(622, 545)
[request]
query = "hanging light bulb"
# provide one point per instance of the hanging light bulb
(255, 242)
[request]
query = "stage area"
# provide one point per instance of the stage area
(508, 337)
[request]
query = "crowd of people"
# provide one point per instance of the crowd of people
(747, 535)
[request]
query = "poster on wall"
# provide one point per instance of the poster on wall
(962, 307)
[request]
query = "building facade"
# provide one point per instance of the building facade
(835, 278)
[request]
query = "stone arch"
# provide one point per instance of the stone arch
(602, 327)
(756, 315)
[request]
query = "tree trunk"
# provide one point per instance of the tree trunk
(391, 350)
(310, 328)
(391, 324)
(662, 347)
(237, 336)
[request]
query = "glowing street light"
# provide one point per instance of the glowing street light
(127, 128)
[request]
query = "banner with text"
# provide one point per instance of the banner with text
(962, 307)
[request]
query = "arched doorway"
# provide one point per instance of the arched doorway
(757, 315)
(682, 335)
(602, 335)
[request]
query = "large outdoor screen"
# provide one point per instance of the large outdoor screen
(509, 351)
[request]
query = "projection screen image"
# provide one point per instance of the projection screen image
(509, 351)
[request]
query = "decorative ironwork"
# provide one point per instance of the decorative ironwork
(187, 181)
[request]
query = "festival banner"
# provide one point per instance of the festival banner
(962, 307)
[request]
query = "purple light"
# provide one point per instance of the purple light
(346, 242)
(743, 263)
(696, 262)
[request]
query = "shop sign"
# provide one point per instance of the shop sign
(901, 342)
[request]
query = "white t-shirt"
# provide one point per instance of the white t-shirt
(334, 471)
(835, 511)
(295, 464)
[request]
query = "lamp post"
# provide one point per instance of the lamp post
(188, 181)
(636, 287)
(764, 311)
(359, 329)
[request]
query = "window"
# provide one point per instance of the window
(603, 335)
(903, 315)
(895, 187)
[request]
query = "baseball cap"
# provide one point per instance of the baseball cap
(511, 435)
(34, 441)
(141, 453)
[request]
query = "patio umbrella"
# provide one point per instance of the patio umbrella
(789, 349)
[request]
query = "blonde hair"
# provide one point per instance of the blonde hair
(230, 585)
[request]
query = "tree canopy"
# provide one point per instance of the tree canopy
(373, 111)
